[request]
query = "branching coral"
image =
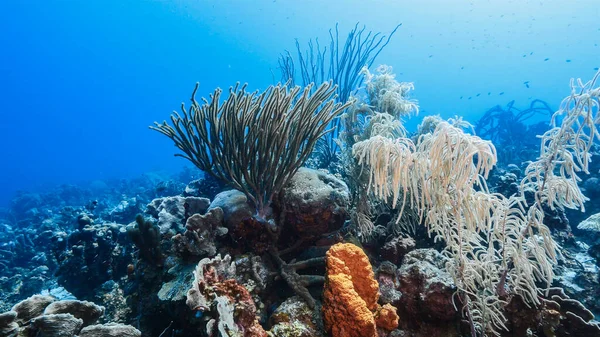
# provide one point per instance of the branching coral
(254, 142)
(298, 283)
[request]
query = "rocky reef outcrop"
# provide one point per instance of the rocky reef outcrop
(49, 317)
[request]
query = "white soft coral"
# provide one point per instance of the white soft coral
(388, 95)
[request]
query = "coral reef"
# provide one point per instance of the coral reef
(92, 256)
(420, 234)
(395, 249)
(289, 272)
(32, 307)
(56, 325)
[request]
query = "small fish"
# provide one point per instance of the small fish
(568, 61)
(596, 68)
(546, 59)
(430, 56)
(502, 93)
(477, 95)
(489, 93)
(470, 97)
(531, 53)
(526, 84)
(461, 97)
(524, 55)
(461, 68)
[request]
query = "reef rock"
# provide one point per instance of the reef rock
(110, 330)
(386, 317)
(125, 211)
(200, 235)
(43, 316)
(235, 206)
(592, 187)
(93, 256)
(395, 249)
(293, 318)
(388, 283)
(8, 326)
(146, 236)
(57, 325)
(314, 203)
(207, 187)
(426, 287)
(171, 212)
(31, 308)
(88, 312)
(176, 289)
(207, 272)
(575, 319)
(113, 299)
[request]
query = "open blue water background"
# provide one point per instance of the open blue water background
(80, 81)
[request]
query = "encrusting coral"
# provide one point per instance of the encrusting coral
(200, 235)
(217, 293)
(350, 296)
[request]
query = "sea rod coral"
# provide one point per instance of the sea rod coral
(255, 142)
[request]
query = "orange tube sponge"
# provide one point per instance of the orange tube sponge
(344, 312)
(348, 259)
(351, 293)
(386, 317)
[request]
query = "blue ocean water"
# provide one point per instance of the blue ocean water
(80, 81)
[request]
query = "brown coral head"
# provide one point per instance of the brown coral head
(253, 235)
